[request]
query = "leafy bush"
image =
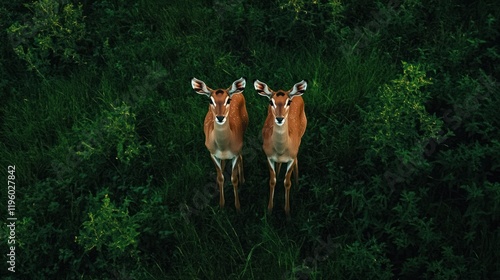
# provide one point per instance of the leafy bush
(51, 38)
(112, 134)
(366, 260)
(109, 229)
(397, 125)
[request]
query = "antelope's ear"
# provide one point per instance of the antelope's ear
(262, 89)
(200, 87)
(238, 86)
(298, 89)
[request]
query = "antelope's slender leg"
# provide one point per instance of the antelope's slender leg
(240, 170)
(272, 184)
(234, 180)
(278, 168)
(296, 172)
(288, 184)
(219, 166)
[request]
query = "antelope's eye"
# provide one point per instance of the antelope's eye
(271, 103)
(228, 101)
(289, 102)
(211, 102)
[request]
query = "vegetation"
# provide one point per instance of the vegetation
(399, 163)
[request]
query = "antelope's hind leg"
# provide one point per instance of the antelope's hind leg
(234, 179)
(296, 172)
(241, 173)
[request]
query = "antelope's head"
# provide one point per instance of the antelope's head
(280, 100)
(220, 99)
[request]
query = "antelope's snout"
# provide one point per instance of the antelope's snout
(220, 119)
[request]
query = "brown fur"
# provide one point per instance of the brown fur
(238, 122)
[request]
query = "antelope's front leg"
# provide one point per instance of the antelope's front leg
(288, 185)
(272, 184)
(219, 166)
(234, 179)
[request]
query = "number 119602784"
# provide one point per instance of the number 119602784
(11, 190)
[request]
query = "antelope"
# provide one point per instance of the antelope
(283, 129)
(224, 126)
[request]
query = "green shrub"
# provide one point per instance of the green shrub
(109, 236)
(366, 260)
(51, 39)
(397, 125)
(111, 135)
(37, 231)
(109, 229)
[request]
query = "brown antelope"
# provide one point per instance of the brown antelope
(224, 126)
(283, 129)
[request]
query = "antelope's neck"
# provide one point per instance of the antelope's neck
(281, 137)
(222, 135)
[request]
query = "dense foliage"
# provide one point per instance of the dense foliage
(399, 164)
